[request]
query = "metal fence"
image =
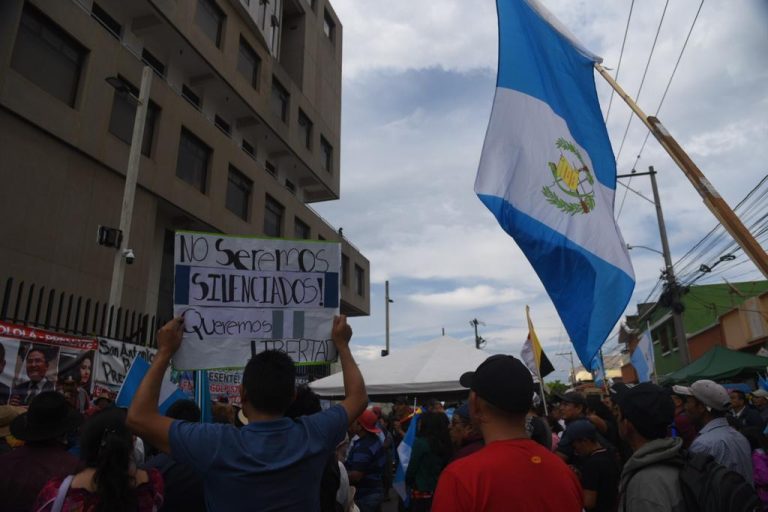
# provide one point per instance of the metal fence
(46, 308)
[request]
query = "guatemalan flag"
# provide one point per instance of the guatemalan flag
(547, 173)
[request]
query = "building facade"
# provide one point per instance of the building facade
(242, 135)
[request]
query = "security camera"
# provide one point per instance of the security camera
(129, 256)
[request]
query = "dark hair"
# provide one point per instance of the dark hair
(42, 350)
(106, 444)
(186, 410)
(2, 352)
(433, 426)
(306, 403)
(742, 395)
(269, 380)
(596, 405)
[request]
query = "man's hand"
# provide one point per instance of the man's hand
(341, 332)
(169, 336)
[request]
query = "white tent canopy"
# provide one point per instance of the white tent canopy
(432, 367)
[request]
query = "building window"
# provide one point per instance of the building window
(238, 193)
(222, 125)
(273, 217)
(301, 230)
(249, 63)
(359, 280)
(193, 159)
(344, 270)
(270, 168)
(327, 154)
(249, 149)
(329, 26)
(123, 117)
(153, 62)
(106, 21)
(48, 56)
(210, 18)
(189, 95)
(305, 129)
(290, 186)
(280, 99)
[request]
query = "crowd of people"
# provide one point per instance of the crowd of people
(632, 449)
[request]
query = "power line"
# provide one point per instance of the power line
(672, 76)
(642, 81)
(621, 55)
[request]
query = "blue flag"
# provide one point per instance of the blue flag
(598, 370)
(643, 358)
(404, 457)
(169, 390)
(547, 172)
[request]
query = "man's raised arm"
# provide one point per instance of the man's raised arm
(356, 397)
(143, 417)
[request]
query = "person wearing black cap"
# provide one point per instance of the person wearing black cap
(43, 428)
(511, 472)
(647, 483)
(599, 472)
(573, 408)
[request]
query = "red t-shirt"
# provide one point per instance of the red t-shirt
(518, 474)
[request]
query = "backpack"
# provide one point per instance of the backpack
(711, 487)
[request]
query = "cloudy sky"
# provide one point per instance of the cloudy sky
(419, 80)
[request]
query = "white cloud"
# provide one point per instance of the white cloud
(419, 80)
(474, 297)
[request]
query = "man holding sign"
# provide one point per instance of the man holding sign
(273, 462)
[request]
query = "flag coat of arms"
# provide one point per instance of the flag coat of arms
(547, 172)
(643, 359)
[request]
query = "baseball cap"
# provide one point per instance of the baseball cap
(503, 381)
(462, 411)
(649, 408)
(582, 429)
(573, 397)
(368, 420)
(708, 392)
(761, 393)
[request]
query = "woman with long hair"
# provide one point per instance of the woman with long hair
(432, 449)
(110, 480)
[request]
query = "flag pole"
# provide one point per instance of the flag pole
(706, 190)
(543, 396)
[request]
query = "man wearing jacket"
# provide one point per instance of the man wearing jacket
(647, 484)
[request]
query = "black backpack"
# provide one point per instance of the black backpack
(711, 487)
(708, 486)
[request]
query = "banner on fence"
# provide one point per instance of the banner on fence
(240, 296)
(33, 360)
(113, 363)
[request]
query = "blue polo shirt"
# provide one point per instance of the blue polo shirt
(264, 466)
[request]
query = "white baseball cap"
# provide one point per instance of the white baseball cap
(708, 392)
(760, 392)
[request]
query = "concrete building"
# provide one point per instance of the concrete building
(242, 135)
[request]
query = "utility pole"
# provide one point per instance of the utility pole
(672, 290)
(129, 192)
(573, 368)
(479, 341)
(387, 302)
(707, 192)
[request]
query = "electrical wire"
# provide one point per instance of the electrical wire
(621, 56)
(642, 81)
(669, 83)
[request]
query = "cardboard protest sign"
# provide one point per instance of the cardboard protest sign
(113, 363)
(33, 360)
(240, 296)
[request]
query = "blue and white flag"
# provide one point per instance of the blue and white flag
(169, 390)
(643, 358)
(598, 371)
(547, 172)
(404, 457)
